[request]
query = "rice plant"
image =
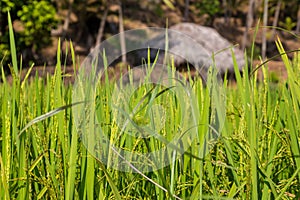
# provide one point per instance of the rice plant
(255, 156)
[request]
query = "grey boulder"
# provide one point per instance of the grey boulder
(196, 45)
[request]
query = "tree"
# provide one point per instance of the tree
(67, 20)
(102, 25)
(186, 10)
(122, 36)
(249, 22)
(265, 21)
(298, 20)
(276, 17)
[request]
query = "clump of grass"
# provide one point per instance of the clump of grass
(257, 155)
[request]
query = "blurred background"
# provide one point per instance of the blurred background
(38, 24)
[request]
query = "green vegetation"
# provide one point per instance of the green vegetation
(38, 19)
(256, 157)
(81, 20)
(35, 20)
(212, 8)
(288, 24)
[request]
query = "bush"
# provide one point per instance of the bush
(209, 7)
(36, 18)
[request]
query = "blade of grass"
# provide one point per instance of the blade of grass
(12, 45)
(4, 191)
(293, 84)
(47, 115)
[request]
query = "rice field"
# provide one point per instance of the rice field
(255, 154)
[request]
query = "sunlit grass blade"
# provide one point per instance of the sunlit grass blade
(12, 46)
(288, 184)
(4, 191)
(70, 184)
(45, 155)
(47, 115)
(111, 183)
(294, 102)
(26, 76)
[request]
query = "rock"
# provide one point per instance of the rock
(197, 45)
(189, 44)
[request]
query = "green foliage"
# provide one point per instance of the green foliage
(38, 19)
(288, 24)
(256, 51)
(210, 7)
(7, 5)
(274, 78)
(169, 3)
(4, 48)
(257, 157)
